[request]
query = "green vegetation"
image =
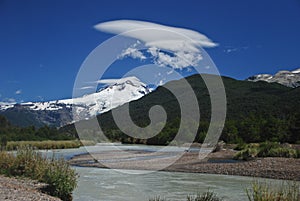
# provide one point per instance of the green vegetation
(263, 191)
(9, 132)
(259, 191)
(206, 196)
(45, 137)
(57, 173)
(48, 144)
(266, 149)
(256, 112)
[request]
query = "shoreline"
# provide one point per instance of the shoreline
(21, 189)
(216, 163)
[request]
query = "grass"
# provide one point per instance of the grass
(48, 144)
(263, 191)
(206, 196)
(259, 191)
(61, 180)
(266, 149)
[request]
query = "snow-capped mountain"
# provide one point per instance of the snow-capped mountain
(284, 77)
(59, 112)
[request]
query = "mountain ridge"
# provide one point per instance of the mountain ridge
(61, 112)
(284, 77)
(256, 111)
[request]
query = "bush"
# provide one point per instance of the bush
(266, 149)
(246, 154)
(262, 191)
(61, 180)
(298, 153)
(240, 146)
(6, 161)
(157, 199)
(206, 196)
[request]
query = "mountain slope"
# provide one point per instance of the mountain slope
(287, 78)
(59, 112)
(253, 111)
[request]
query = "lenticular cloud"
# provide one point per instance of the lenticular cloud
(168, 46)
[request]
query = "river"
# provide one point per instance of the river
(97, 184)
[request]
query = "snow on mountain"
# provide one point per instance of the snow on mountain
(284, 77)
(116, 93)
(5, 105)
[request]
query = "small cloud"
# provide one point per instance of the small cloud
(133, 79)
(189, 70)
(229, 50)
(87, 87)
(132, 52)
(160, 83)
(235, 49)
(18, 92)
(170, 72)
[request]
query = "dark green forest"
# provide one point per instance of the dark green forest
(256, 112)
(9, 132)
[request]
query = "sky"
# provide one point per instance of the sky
(44, 43)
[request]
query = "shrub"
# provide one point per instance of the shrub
(240, 146)
(6, 161)
(262, 191)
(57, 173)
(298, 153)
(246, 154)
(157, 199)
(61, 179)
(266, 149)
(206, 196)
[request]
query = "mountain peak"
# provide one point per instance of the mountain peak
(116, 92)
(284, 77)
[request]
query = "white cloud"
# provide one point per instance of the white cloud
(87, 87)
(132, 79)
(132, 52)
(18, 92)
(229, 50)
(235, 49)
(168, 46)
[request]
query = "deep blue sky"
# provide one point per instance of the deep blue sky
(43, 43)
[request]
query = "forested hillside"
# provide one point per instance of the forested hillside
(9, 132)
(256, 111)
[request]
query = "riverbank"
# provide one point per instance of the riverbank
(13, 189)
(48, 144)
(216, 163)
